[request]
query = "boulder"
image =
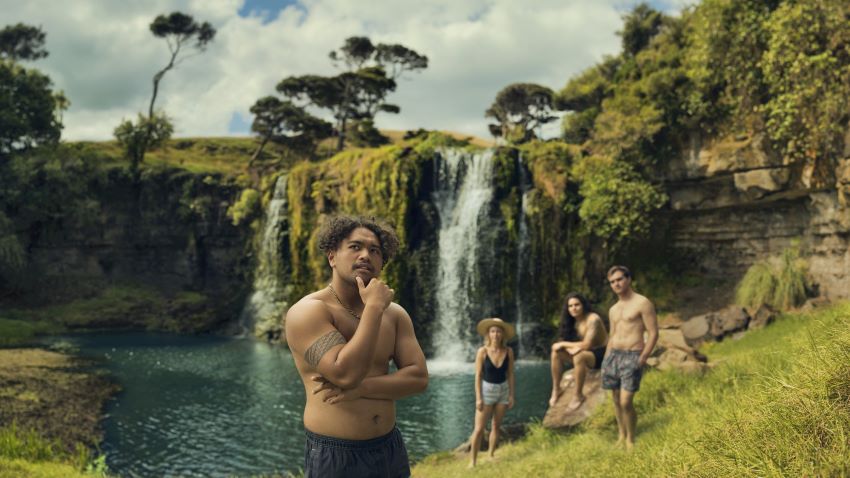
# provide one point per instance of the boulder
(670, 321)
(676, 359)
(760, 182)
(673, 338)
(695, 328)
(814, 303)
(763, 316)
(558, 416)
(731, 319)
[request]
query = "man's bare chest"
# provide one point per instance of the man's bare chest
(627, 316)
(386, 335)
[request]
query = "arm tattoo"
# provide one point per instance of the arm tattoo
(321, 346)
(593, 328)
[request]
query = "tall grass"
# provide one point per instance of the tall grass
(780, 283)
(776, 403)
(26, 453)
(27, 444)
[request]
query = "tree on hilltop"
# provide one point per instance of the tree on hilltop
(185, 38)
(283, 122)
(22, 42)
(358, 93)
(30, 111)
(519, 108)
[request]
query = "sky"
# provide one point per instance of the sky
(103, 56)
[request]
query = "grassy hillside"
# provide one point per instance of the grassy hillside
(230, 155)
(777, 403)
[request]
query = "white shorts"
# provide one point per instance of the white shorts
(494, 393)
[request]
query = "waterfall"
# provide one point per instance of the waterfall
(462, 194)
(523, 272)
(261, 315)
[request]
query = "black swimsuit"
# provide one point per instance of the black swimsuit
(495, 374)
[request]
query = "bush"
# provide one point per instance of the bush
(617, 202)
(757, 286)
(782, 285)
(246, 207)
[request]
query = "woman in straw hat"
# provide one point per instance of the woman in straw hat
(494, 381)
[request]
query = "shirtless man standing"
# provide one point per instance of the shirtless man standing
(631, 317)
(342, 338)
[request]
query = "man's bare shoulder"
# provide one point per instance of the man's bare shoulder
(397, 312)
(642, 300)
(308, 309)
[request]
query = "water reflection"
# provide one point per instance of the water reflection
(193, 406)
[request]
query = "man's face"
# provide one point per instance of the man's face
(619, 282)
(358, 255)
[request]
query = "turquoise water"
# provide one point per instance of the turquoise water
(209, 406)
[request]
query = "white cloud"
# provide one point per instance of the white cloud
(103, 55)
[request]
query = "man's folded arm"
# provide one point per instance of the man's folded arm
(411, 377)
(310, 334)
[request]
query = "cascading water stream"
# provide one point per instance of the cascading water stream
(523, 271)
(262, 312)
(463, 192)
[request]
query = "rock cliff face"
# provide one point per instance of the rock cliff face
(172, 234)
(734, 202)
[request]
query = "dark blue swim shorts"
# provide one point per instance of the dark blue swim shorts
(382, 457)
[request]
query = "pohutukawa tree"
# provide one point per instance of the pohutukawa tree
(519, 108)
(368, 75)
(185, 38)
(284, 123)
(30, 111)
(22, 42)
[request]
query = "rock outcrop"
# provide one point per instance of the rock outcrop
(734, 201)
(560, 416)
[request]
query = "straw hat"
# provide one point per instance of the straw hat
(485, 324)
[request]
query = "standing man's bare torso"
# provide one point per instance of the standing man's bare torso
(627, 325)
(362, 418)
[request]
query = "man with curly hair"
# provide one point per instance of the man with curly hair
(342, 338)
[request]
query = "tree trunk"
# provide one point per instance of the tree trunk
(341, 138)
(259, 150)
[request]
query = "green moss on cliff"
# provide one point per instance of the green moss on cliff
(124, 306)
(382, 182)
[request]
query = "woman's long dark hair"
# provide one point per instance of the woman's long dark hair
(567, 328)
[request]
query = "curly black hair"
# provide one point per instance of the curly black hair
(335, 229)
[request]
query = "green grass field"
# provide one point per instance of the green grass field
(777, 403)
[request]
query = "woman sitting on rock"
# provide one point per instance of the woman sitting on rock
(494, 382)
(583, 340)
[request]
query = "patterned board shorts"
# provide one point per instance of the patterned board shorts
(621, 370)
(494, 393)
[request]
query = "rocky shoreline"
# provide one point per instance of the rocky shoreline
(59, 396)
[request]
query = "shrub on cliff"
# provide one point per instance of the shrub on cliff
(617, 203)
(780, 283)
(247, 207)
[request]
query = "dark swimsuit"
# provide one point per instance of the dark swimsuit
(329, 457)
(599, 353)
(495, 374)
